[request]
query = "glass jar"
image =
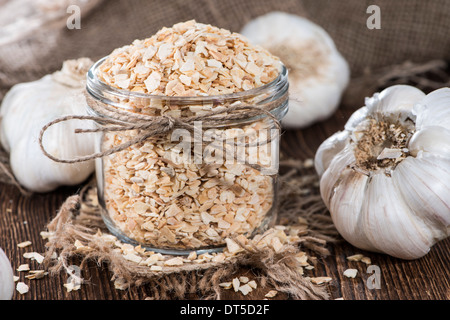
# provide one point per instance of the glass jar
(191, 188)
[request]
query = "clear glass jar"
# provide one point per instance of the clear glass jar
(189, 190)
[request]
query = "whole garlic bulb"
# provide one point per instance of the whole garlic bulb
(27, 107)
(6, 277)
(385, 179)
(318, 74)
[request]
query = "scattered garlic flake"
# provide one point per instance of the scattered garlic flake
(72, 286)
(271, 294)
(320, 280)
(22, 287)
(16, 278)
(34, 256)
(23, 267)
(226, 285)
(236, 284)
(245, 289)
(24, 244)
(350, 273)
(360, 258)
(46, 235)
(253, 284)
(366, 260)
(355, 257)
(36, 274)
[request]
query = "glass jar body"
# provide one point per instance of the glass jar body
(191, 189)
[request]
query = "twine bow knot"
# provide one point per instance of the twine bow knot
(115, 120)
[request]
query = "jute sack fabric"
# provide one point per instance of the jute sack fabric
(77, 235)
(413, 30)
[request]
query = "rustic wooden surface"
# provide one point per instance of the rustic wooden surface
(24, 218)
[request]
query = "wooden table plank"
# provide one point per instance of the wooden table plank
(23, 219)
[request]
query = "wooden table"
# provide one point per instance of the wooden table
(23, 219)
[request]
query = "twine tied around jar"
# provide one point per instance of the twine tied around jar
(115, 120)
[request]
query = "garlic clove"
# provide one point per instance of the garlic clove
(423, 183)
(432, 139)
(328, 149)
(10, 116)
(433, 109)
(318, 73)
(59, 140)
(356, 118)
(389, 224)
(346, 204)
(6, 277)
(338, 167)
(40, 180)
(395, 102)
(33, 105)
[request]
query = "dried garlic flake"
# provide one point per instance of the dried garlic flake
(245, 289)
(22, 288)
(355, 257)
(34, 256)
(350, 273)
(24, 244)
(320, 280)
(23, 267)
(271, 294)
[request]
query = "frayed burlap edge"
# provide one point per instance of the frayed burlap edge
(79, 219)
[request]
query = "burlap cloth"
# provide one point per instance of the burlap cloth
(412, 30)
(77, 235)
(411, 47)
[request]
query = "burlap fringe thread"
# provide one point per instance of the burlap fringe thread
(79, 219)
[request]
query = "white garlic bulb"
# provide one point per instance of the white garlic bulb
(318, 74)
(27, 107)
(385, 179)
(6, 277)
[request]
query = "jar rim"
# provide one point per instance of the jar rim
(98, 89)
